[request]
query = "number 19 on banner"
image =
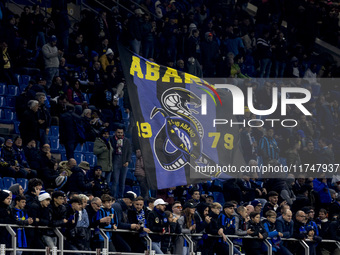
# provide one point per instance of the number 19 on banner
(144, 129)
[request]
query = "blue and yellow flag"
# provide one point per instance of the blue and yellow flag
(179, 141)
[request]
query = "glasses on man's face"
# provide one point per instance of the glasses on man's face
(178, 207)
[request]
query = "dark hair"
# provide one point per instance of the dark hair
(19, 198)
(167, 214)
(253, 215)
(75, 200)
(32, 183)
(322, 210)
(151, 200)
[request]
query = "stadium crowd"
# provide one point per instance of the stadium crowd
(76, 83)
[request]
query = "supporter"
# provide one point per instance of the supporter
(21, 218)
(121, 157)
(75, 97)
(157, 223)
(78, 51)
(100, 186)
(6, 65)
(72, 215)
(241, 222)
(334, 234)
(287, 193)
(195, 196)
(79, 182)
(107, 60)
(210, 54)
(104, 152)
(29, 125)
(44, 117)
(121, 208)
(308, 155)
(254, 246)
(140, 174)
(16, 190)
(326, 155)
(272, 204)
(66, 166)
(264, 51)
(257, 206)
(268, 147)
(177, 210)
(68, 131)
(39, 23)
(39, 212)
(58, 87)
(51, 59)
(34, 187)
(82, 227)
(21, 157)
(5, 216)
(274, 234)
(137, 215)
(285, 225)
(334, 208)
(226, 225)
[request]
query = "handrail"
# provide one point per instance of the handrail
(116, 2)
(48, 14)
(9, 227)
(88, 7)
(145, 9)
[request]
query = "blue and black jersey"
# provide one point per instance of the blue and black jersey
(102, 213)
(20, 215)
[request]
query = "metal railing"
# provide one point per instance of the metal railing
(105, 251)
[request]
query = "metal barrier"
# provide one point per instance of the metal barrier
(105, 250)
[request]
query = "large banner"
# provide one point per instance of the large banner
(179, 121)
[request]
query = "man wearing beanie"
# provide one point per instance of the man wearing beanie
(39, 211)
(5, 217)
(100, 185)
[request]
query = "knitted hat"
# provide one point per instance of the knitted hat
(44, 196)
(60, 181)
(3, 195)
(109, 51)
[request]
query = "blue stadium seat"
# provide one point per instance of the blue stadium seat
(54, 130)
(1, 184)
(62, 148)
(6, 116)
(16, 127)
(23, 182)
(13, 90)
(89, 147)
(125, 115)
(136, 189)
(54, 145)
(24, 79)
(17, 76)
(130, 175)
(92, 159)
(3, 90)
(3, 102)
(10, 102)
(86, 98)
(22, 87)
(63, 156)
(8, 182)
(79, 157)
(81, 148)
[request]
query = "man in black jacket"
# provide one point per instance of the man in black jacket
(121, 208)
(78, 181)
(121, 158)
(158, 222)
(58, 209)
(40, 213)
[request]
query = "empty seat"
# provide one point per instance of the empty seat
(127, 188)
(79, 157)
(8, 182)
(80, 148)
(16, 127)
(92, 159)
(54, 131)
(13, 90)
(3, 102)
(24, 79)
(89, 146)
(3, 90)
(23, 182)
(54, 145)
(1, 184)
(10, 102)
